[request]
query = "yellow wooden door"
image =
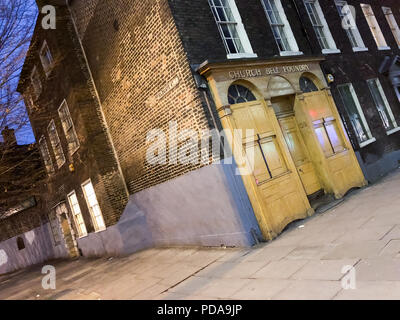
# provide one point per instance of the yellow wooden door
(277, 186)
(300, 155)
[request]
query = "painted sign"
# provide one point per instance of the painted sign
(262, 72)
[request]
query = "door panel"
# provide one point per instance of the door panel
(299, 154)
(277, 187)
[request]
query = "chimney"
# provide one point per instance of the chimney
(9, 137)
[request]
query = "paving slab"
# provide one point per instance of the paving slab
(354, 250)
(310, 290)
(324, 270)
(380, 269)
(372, 290)
(282, 269)
(261, 289)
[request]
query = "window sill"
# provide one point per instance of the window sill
(330, 51)
(393, 131)
(241, 55)
(291, 53)
(366, 143)
(100, 230)
(384, 48)
(359, 49)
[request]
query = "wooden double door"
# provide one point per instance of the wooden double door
(300, 154)
(271, 178)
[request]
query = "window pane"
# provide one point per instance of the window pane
(323, 138)
(334, 136)
(380, 104)
(68, 127)
(55, 143)
(373, 25)
(352, 110)
(227, 25)
(94, 207)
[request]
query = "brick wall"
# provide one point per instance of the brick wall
(202, 40)
(135, 53)
(356, 68)
(95, 159)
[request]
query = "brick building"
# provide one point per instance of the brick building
(24, 228)
(110, 74)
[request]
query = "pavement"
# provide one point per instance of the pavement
(351, 251)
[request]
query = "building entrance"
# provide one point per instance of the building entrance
(283, 107)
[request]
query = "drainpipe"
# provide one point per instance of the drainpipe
(68, 2)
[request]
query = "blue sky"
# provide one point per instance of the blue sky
(25, 134)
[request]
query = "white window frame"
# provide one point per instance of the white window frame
(244, 40)
(352, 31)
(392, 24)
(48, 162)
(282, 21)
(56, 145)
(374, 27)
(46, 67)
(386, 105)
(82, 232)
(37, 90)
(371, 139)
(92, 214)
(323, 27)
(70, 132)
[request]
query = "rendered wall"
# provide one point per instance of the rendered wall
(38, 249)
(206, 207)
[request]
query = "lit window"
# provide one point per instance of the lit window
(36, 83)
(351, 27)
(320, 26)
(356, 115)
(68, 127)
(76, 211)
(374, 27)
(280, 26)
(231, 28)
(94, 208)
(46, 58)
(44, 151)
(381, 103)
(56, 144)
(392, 23)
